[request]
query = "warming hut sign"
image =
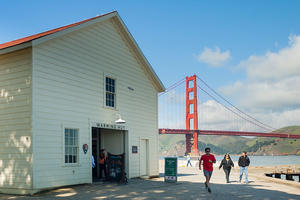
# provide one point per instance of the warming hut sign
(109, 126)
(170, 169)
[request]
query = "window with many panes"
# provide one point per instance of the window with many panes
(110, 92)
(71, 145)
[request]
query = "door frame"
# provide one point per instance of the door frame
(98, 146)
(147, 157)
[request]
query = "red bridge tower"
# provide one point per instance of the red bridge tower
(191, 115)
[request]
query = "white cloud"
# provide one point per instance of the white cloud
(270, 92)
(214, 57)
(272, 87)
(275, 65)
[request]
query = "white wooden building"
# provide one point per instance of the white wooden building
(66, 87)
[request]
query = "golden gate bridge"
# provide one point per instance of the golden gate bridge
(178, 114)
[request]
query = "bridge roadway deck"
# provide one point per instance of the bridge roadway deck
(228, 133)
(189, 186)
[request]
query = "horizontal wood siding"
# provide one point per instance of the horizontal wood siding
(15, 121)
(69, 92)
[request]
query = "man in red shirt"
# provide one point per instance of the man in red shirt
(208, 160)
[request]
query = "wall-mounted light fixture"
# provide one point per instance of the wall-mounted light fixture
(120, 120)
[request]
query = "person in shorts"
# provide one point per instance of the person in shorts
(208, 161)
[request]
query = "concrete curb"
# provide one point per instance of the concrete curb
(280, 181)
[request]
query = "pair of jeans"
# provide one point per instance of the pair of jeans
(227, 173)
(102, 168)
(189, 162)
(244, 170)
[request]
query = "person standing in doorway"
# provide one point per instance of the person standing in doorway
(208, 161)
(227, 164)
(102, 163)
(188, 158)
(93, 166)
(93, 162)
(244, 162)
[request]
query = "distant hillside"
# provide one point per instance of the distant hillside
(175, 144)
(277, 146)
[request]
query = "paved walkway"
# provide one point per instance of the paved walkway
(189, 186)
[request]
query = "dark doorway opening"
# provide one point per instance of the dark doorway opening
(96, 147)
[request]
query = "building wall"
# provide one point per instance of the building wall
(68, 91)
(15, 122)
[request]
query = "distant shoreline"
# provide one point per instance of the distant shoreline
(232, 155)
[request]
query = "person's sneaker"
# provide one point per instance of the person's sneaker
(205, 185)
(209, 190)
(246, 182)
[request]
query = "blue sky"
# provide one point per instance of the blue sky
(171, 33)
(174, 35)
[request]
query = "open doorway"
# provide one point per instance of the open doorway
(113, 141)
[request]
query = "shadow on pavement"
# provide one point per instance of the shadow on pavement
(162, 175)
(154, 189)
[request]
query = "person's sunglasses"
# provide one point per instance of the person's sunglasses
(207, 151)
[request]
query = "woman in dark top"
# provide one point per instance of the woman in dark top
(227, 164)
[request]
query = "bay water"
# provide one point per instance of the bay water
(264, 161)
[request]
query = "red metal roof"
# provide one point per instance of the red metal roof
(39, 35)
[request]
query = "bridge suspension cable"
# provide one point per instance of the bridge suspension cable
(172, 87)
(263, 127)
(216, 93)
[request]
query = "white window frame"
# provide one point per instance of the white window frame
(104, 92)
(64, 147)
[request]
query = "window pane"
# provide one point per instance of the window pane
(76, 137)
(113, 89)
(69, 140)
(106, 99)
(71, 132)
(70, 159)
(66, 139)
(74, 140)
(112, 97)
(75, 155)
(66, 159)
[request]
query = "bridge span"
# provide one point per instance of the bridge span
(225, 113)
(228, 133)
